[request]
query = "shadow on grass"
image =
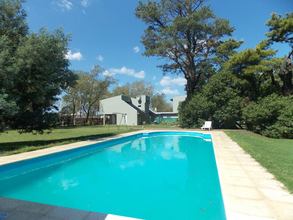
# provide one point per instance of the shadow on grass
(14, 146)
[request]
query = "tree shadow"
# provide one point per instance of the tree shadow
(12, 146)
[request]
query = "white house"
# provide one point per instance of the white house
(176, 102)
(124, 110)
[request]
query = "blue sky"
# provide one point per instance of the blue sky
(106, 32)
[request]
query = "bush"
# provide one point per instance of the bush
(219, 101)
(271, 116)
(192, 113)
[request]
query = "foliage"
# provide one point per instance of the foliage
(12, 21)
(7, 110)
(219, 101)
(193, 112)
(85, 95)
(135, 89)
(281, 28)
(33, 69)
(255, 66)
(281, 31)
(40, 77)
(270, 116)
(159, 103)
(184, 33)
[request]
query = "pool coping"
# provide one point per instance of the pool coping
(248, 190)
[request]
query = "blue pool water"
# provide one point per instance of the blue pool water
(159, 175)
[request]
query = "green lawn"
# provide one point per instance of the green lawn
(12, 142)
(274, 154)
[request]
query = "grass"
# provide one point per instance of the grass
(12, 142)
(276, 155)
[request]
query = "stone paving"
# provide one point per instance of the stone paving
(11, 209)
(249, 191)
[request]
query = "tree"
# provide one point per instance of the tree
(281, 31)
(254, 65)
(71, 102)
(186, 34)
(220, 101)
(85, 95)
(13, 28)
(159, 103)
(42, 74)
(7, 111)
(270, 116)
(33, 70)
(12, 21)
(135, 89)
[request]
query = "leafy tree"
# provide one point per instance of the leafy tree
(159, 103)
(13, 28)
(254, 65)
(33, 70)
(12, 21)
(186, 34)
(135, 89)
(225, 51)
(271, 116)
(42, 74)
(7, 111)
(71, 102)
(281, 31)
(220, 101)
(85, 95)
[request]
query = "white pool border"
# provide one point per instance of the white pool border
(249, 192)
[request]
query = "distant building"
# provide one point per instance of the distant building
(125, 110)
(176, 102)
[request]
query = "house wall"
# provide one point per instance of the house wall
(144, 105)
(176, 102)
(116, 105)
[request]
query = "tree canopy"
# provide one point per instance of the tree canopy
(281, 31)
(252, 88)
(134, 89)
(186, 34)
(33, 71)
(84, 96)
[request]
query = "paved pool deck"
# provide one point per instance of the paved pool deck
(249, 191)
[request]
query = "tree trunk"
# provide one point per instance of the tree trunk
(286, 75)
(192, 84)
(73, 115)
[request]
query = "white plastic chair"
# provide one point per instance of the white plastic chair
(207, 125)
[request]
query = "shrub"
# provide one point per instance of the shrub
(271, 116)
(219, 101)
(192, 113)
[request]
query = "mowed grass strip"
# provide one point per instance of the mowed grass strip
(12, 142)
(276, 155)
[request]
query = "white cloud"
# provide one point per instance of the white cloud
(169, 91)
(136, 49)
(65, 4)
(73, 56)
(125, 71)
(167, 81)
(100, 58)
(84, 3)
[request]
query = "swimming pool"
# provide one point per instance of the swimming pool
(156, 175)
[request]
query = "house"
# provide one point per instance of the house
(176, 102)
(124, 110)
